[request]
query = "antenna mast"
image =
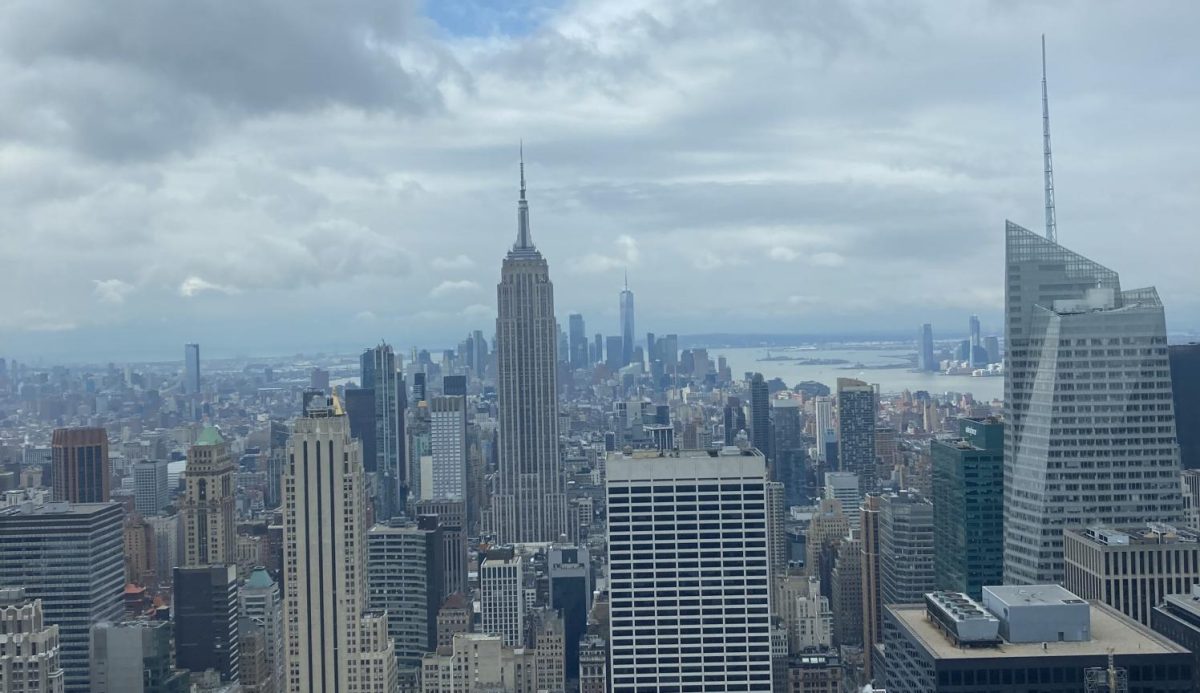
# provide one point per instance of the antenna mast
(1051, 220)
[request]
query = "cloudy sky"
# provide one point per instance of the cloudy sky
(277, 176)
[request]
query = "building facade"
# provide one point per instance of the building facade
(206, 510)
(205, 613)
(82, 471)
(448, 443)
(968, 507)
(856, 402)
(666, 515)
(151, 491)
(135, 657)
(29, 654)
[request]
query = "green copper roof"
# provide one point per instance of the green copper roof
(259, 579)
(209, 436)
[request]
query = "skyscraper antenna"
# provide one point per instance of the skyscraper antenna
(521, 146)
(524, 240)
(1051, 220)
(627, 279)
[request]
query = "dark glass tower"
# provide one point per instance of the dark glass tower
(968, 507)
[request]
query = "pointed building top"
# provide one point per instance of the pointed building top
(1051, 219)
(627, 279)
(524, 240)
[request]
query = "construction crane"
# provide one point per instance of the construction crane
(1110, 679)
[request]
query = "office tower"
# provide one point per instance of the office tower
(80, 547)
(1069, 324)
(333, 642)
(1131, 569)
(260, 602)
(448, 443)
(593, 665)
(206, 509)
(826, 431)
(872, 615)
(450, 518)
(612, 354)
(651, 349)
(360, 411)
(578, 341)
(530, 504)
(404, 578)
(151, 493)
(29, 651)
(689, 487)
(481, 353)
(502, 596)
(626, 323)
(570, 583)
(597, 353)
(735, 419)
(828, 526)
(380, 372)
(549, 648)
(977, 357)
(81, 468)
(788, 450)
(167, 542)
(905, 548)
(760, 417)
(455, 616)
(205, 612)
(1185, 392)
(856, 402)
(139, 545)
(420, 387)
(843, 487)
(926, 361)
(1178, 618)
(991, 345)
(668, 352)
(777, 543)
(255, 676)
(191, 369)
(1025, 638)
(846, 595)
(968, 507)
(318, 379)
(134, 657)
(479, 663)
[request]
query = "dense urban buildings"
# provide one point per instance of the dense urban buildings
(529, 504)
(29, 654)
(1087, 395)
(968, 507)
(666, 515)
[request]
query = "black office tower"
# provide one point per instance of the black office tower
(360, 410)
(1185, 388)
(205, 612)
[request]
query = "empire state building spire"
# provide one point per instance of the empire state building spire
(524, 240)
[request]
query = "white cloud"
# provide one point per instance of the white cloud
(782, 253)
(827, 259)
(194, 286)
(449, 287)
(624, 255)
(111, 291)
(453, 263)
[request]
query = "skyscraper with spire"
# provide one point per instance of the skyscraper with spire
(1051, 219)
(530, 504)
(626, 323)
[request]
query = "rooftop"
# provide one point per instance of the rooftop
(726, 463)
(209, 436)
(1109, 629)
(1152, 533)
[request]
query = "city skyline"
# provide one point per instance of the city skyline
(220, 222)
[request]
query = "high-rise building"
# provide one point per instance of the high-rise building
(825, 430)
(1178, 618)
(578, 341)
(81, 468)
(191, 369)
(991, 344)
(333, 642)
(360, 410)
(905, 548)
(135, 657)
(597, 350)
(206, 510)
(612, 354)
(968, 507)
(788, 451)
(1185, 392)
(260, 602)
(478, 662)
(448, 443)
(29, 653)
(926, 361)
(1131, 569)
(570, 582)
(977, 354)
(1087, 396)
(593, 665)
(150, 490)
(318, 379)
(404, 579)
(530, 503)
(760, 417)
(681, 498)
(380, 372)
(502, 596)
(735, 420)
(69, 557)
(205, 612)
(450, 518)
(845, 591)
(843, 486)
(856, 402)
(1025, 638)
(871, 612)
(627, 325)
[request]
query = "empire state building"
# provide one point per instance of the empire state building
(530, 504)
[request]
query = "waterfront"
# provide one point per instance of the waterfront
(873, 370)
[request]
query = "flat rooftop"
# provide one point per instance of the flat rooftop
(649, 465)
(1026, 595)
(1109, 631)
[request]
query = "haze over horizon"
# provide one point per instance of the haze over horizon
(809, 168)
